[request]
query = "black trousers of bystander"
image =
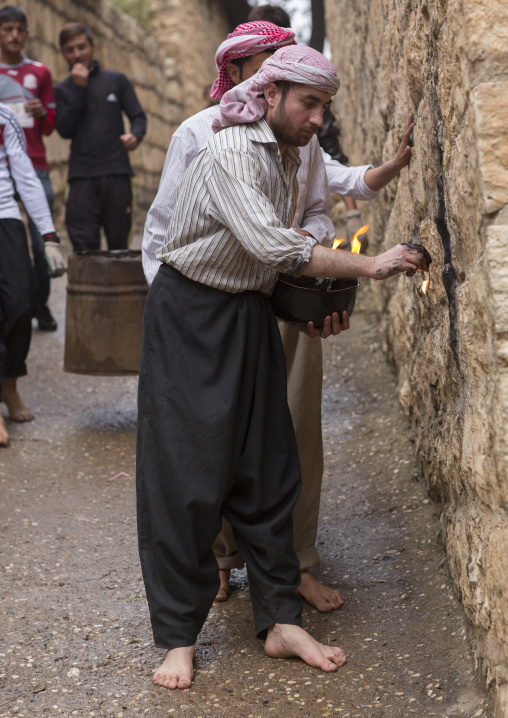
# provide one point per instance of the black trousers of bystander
(215, 439)
(17, 298)
(96, 202)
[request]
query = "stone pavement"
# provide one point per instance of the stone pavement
(74, 631)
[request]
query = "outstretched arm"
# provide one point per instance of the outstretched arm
(378, 177)
(326, 262)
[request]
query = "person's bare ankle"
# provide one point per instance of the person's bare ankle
(177, 669)
(10, 396)
(224, 590)
(287, 641)
(321, 597)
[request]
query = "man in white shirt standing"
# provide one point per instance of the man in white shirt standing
(16, 274)
(215, 436)
(238, 58)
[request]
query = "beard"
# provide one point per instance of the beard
(285, 133)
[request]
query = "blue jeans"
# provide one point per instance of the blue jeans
(40, 266)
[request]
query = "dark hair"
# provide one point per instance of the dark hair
(285, 86)
(240, 61)
(10, 13)
(270, 13)
(72, 30)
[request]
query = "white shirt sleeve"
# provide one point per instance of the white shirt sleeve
(348, 181)
(27, 183)
(314, 200)
(178, 158)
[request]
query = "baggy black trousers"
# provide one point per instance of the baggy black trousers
(215, 439)
(17, 298)
(95, 202)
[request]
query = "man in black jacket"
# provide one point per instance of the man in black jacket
(89, 106)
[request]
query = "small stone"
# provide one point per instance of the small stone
(39, 688)
(73, 673)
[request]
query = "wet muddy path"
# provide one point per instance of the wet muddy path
(74, 630)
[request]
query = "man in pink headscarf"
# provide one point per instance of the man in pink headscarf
(215, 436)
(296, 64)
(237, 59)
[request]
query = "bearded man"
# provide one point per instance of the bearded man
(238, 58)
(215, 436)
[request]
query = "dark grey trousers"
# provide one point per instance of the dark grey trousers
(17, 299)
(215, 439)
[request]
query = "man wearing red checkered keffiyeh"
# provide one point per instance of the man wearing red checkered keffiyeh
(248, 39)
(245, 102)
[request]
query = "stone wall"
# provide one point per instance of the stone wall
(121, 45)
(190, 31)
(447, 62)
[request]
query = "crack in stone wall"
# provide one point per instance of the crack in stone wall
(446, 61)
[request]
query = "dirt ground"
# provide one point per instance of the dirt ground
(75, 635)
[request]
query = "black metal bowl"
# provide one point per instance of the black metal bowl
(307, 299)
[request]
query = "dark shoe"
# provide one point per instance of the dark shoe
(46, 320)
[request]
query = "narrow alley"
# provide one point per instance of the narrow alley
(75, 634)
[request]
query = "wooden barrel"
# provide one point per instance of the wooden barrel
(106, 294)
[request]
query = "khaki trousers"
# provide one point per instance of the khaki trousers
(304, 361)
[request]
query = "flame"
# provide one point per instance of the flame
(425, 285)
(356, 245)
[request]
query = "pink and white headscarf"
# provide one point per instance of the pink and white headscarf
(248, 39)
(245, 103)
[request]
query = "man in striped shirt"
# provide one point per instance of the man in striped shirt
(214, 433)
(238, 58)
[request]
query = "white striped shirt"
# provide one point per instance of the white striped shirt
(231, 226)
(313, 204)
(16, 166)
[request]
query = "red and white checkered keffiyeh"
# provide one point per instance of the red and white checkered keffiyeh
(248, 39)
(245, 103)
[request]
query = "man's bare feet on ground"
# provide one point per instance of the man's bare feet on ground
(321, 597)
(177, 669)
(10, 395)
(4, 436)
(286, 641)
(224, 590)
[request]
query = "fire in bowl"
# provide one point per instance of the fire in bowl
(307, 299)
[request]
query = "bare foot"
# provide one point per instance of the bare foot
(177, 669)
(286, 641)
(10, 395)
(224, 590)
(4, 436)
(318, 595)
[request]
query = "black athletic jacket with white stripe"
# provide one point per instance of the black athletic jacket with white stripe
(92, 118)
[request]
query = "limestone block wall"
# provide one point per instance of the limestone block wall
(190, 31)
(123, 46)
(446, 61)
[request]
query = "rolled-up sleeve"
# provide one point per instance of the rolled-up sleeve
(240, 202)
(348, 181)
